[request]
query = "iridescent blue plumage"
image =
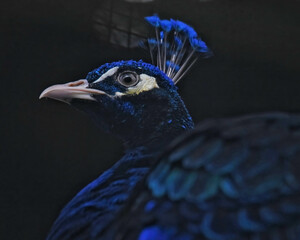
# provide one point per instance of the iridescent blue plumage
(139, 66)
(93, 207)
(146, 121)
(177, 44)
(229, 179)
(153, 20)
(166, 25)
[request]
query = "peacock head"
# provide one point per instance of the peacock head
(138, 101)
(131, 99)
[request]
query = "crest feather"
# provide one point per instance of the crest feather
(175, 48)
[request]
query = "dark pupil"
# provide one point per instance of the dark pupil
(127, 79)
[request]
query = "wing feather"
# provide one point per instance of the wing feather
(228, 179)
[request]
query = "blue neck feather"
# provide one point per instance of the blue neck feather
(91, 210)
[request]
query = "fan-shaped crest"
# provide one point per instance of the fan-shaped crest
(175, 48)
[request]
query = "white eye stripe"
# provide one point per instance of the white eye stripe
(146, 83)
(109, 73)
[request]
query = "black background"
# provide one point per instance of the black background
(49, 151)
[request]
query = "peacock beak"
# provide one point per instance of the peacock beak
(68, 91)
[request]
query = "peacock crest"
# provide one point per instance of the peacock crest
(175, 47)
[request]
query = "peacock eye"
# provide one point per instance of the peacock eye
(128, 79)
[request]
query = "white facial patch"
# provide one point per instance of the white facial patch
(109, 73)
(146, 83)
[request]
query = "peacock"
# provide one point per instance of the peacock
(226, 179)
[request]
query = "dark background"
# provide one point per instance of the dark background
(49, 151)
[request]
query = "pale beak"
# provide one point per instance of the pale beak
(67, 92)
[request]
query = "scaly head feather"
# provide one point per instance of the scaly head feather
(133, 100)
(138, 101)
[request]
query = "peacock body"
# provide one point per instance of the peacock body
(227, 179)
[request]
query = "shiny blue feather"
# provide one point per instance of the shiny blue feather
(177, 45)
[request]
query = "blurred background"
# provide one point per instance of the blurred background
(49, 151)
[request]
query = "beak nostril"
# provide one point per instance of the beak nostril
(76, 84)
